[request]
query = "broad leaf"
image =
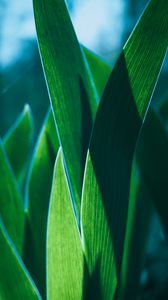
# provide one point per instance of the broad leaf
(139, 209)
(15, 281)
(17, 142)
(11, 205)
(64, 248)
(72, 94)
(37, 200)
(118, 122)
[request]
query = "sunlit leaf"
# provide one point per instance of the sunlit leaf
(118, 122)
(139, 211)
(71, 90)
(37, 200)
(64, 248)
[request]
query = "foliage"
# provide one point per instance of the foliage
(98, 167)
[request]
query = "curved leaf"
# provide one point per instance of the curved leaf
(71, 90)
(118, 122)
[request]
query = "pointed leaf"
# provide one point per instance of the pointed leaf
(118, 122)
(64, 248)
(15, 281)
(11, 205)
(139, 210)
(18, 140)
(70, 88)
(37, 200)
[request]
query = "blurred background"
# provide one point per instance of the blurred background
(101, 25)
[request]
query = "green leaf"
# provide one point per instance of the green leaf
(163, 110)
(11, 205)
(37, 200)
(15, 281)
(139, 211)
(100, 70)
(138, 220)
(64, 248)
(70, 87)
(118, 122)
(153, 160)
(18, 141)
(151, 153)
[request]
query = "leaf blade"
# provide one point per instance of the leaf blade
(11, 205)
(17, 141)
(71, 91)
(15, 281)
(116, 129)
(37, 199)
(64, 248)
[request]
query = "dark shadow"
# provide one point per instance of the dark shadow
(112, 148)
(30, 257)
(152, 157)
(87, 123)
(92, 283)
(34, 253)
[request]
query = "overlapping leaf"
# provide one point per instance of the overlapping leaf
(71, 90)
(117, 125)
(37, 199)
(138, 211)
(15, 282)
(11, 205)
(138, 220)
(100, 70)
(64, 248)
(153, 160)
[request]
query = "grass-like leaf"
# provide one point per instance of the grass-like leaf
(11, 205)
(72, 94)
(100, 70)
(138, 220)
(18, 140)
(118, 122)
(15, 281)
(37, 199)
(153, 160)
(163, 111)
(139, 209)
(64, 248)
